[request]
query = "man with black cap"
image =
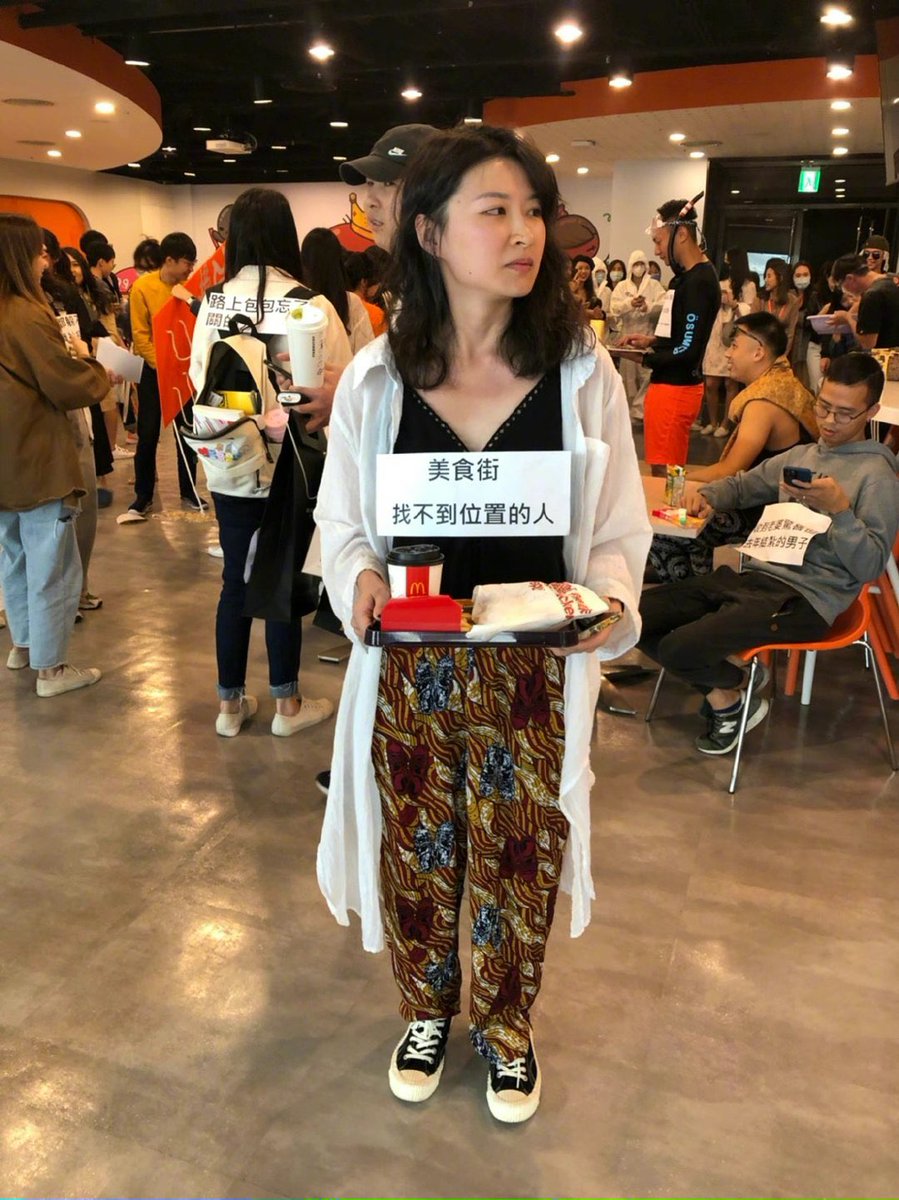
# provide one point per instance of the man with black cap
(876, 252)
(875, 322)
(380, 175)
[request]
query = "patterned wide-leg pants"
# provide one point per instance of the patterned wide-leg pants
(467, 752)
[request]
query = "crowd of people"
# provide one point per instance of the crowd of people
(465, 330)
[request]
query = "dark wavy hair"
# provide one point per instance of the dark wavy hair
(781, 268)
(100, 296)
(544, 327)
(262, 233)
(325, 273)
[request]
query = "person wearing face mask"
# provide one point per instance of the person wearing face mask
(635, 306)
(654, 270)
(601, 284)
(617, 272)
(808, 307)
(778, 298)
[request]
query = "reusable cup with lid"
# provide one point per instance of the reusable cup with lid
(306, 325)
(415, 570)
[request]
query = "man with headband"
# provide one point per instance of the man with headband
(674, 396)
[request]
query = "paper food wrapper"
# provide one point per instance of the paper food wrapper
(522, 607)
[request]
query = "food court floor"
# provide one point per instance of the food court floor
(180, 1016)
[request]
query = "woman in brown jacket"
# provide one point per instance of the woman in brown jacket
(40, 479)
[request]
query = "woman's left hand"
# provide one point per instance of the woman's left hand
(595, 640)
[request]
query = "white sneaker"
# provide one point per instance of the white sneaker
(721, 432)
(122, 452)
(229, 724)
(69, 679)
(707, 430)
(312, 712)
(18, 658)
(214, 550)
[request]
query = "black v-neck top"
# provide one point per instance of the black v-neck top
(536, 424)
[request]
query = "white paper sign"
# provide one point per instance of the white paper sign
(120, 361)
(663, 325)
(784, 532)
(486, 494)
(221, 308)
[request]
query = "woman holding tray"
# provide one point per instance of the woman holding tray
(448, 757)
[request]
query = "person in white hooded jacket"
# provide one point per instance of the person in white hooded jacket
(431, 775)
(635, 305)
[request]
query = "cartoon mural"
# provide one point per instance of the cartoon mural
(353, 232)
(576, 234)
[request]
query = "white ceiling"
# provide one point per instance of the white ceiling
(795, 128)
(107, 141)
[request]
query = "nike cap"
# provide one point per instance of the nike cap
(389, 155)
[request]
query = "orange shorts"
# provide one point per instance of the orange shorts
(668, 412)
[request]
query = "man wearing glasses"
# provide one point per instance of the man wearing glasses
(695, 627)
(875, 322)
(876, 251)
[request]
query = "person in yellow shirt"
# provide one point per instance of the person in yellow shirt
(148, 294)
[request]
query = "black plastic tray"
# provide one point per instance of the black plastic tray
(557, 638)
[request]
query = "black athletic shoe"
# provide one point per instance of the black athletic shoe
(513, 1089)
(724, 727)
(323, 781)
(417, 1062)
(192, 504)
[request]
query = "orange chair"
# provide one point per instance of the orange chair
(851, 628)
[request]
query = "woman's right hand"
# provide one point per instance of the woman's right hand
(372, 593)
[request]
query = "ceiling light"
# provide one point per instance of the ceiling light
(281, 171)
(568, 32)
(552, 158)
(229, 160)
(202, 129)
(259, 92)
(73, 133)
(54, 154)
(840, 131)
(583, 170)
(735, 191)
(840, 105)
(104, 107)
(136, 166)
(321, 51)
(840, 66)
(339, 157)
(839, 151)
(191, 174)
(836, 16)
(473, 120)
(339, 124)
(411, 93)
(169, 149)
(697, 153)
(136, 53)
(136, 61)
(839, 181)
(279, 147)
(677, 137)
(621, 77)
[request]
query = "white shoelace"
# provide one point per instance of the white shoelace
(425, 1037)
(517, 1069)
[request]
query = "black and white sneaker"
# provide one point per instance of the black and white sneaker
(513, 1089)
(417, 1062)
(724, 727)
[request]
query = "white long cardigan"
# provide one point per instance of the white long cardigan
(606, 550)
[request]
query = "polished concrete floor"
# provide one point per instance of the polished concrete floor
(179, 1015)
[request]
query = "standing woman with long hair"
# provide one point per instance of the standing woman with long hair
(743, 281)
(262, 261)
(779, 299)
(40, 479)
(324, 272)
(446, 758)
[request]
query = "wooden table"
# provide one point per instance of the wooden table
(654, 491)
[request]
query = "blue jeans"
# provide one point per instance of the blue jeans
(239, 517)
(41, 571)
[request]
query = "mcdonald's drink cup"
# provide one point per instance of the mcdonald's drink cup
(415, 570)
(306, 326)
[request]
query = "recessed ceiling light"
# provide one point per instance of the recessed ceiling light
(473, 120)
(552, 158)
(281, 171)
(229, 160)
(339, 124)
(735, 191)
(568, 32)
(840, 131)
(136, 166)
(840, 66)
(54, 154)
(321, 51)
(411, 93)
(840, 105)
(697, 153)
(835, 16)
(73, 133)
(137, 62)
(105, 107)
(263, 101)
(839, 151)
(583, 170)
(621, 78)
(839, 181)
(279, 147)
(339, 158)
(169, 149)
(677, 137)
(191, 174)
(202, 129)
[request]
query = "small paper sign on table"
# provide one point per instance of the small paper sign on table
(784, 532)
(503, 494)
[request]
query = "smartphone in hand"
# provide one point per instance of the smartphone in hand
(792, 475)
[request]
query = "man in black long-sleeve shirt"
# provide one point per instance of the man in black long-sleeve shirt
(674, 397)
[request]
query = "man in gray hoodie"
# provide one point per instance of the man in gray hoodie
(695, 627)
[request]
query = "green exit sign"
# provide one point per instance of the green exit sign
(809, 179)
